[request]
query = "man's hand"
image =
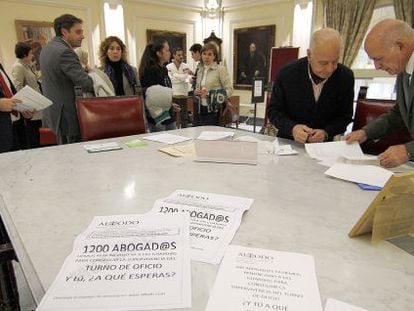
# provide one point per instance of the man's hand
(301, 132)
(317, 136)
(359, 136)
(8, 104)
(394, 156)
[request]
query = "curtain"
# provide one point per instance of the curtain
(404, 10)
(351, 18)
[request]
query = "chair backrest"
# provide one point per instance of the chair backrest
(369, 109)
(47, 137)
(108, 117)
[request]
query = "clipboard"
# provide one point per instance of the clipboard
(391, 213)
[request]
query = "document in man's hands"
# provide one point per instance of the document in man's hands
(31, 100)
(329, 152)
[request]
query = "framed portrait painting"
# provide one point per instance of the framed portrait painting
(175, 39)
(34, 31)
(252, 48)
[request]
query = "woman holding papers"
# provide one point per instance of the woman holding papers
(213, 87)
(152, 72)
(113, 57)
(24, 74)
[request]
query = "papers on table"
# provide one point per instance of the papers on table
(214, 219)
(31, 100)
(179, 151)
(336, 305)
(226, 151)
(328, 153)
(269, 147)
(126, 262)
(365, 174)
(259, 279)
(135, 142)
(166, 138)
(92, 148)
(210, 135)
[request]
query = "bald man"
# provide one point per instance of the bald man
(391, 45)
(312, 98)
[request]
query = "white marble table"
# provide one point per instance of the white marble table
(50, 195)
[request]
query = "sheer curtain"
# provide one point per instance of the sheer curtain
(351, 18)
(404, 10)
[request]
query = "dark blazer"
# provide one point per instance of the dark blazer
(6, 127)
(293, 101)
(61, 71)
(400, 116)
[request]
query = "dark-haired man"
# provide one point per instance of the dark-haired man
(61, 72)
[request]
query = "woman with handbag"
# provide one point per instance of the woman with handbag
(213, 87)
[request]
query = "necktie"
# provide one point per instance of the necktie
(7, 92)
(406, 87)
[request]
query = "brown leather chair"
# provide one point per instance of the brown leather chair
(369, 109)
(108, 117)
(47, 137)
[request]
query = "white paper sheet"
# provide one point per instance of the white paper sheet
(223, 151)
(214, 219)
(166, 138)
(126, 262)
(102, 147)
(31, 100)
(285, 150)
(329, 152)
(336, 305)
(365, 174)
(259, 279)
(210, 135)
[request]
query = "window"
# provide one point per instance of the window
(362, 60)
(114, 20)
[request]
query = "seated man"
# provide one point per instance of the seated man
(391, 45)
(312, 98)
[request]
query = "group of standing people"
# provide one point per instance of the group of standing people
(62, 70)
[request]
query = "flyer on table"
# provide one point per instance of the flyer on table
(126, 262)
(259, 279)
(214, 219)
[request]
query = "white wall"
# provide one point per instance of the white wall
(140, 16)
(42, 10)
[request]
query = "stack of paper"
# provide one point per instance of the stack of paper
(328, 153)
(224, 151)
(216, 135)
(364, 174)
(126, 262)
(31, 100)
(214, 219)
(92, 148)
(259, 279)
(166, 138)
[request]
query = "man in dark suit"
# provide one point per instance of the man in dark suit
(12, 134)
(391, 45)
(61, 72)
(312, 98)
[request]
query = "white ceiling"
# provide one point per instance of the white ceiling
(226, 4)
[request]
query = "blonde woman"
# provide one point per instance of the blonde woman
(213, 87)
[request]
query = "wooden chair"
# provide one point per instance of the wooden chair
(368, 110)
(108, 117)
